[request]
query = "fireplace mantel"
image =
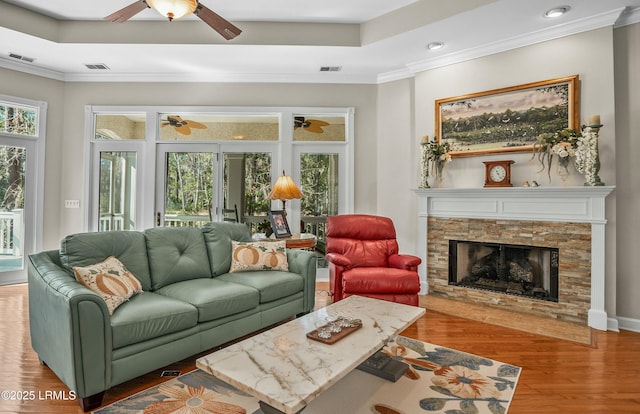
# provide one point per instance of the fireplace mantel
(557, 204)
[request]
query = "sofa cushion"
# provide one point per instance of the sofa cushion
(149, 315)
(218, 237)
(261, 255)
(110, 280)
(175, 255)
(85, 249)
(272, 284)
(213, 298)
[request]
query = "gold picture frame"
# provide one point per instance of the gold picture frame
(507, 119)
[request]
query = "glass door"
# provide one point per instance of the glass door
(115, 203)
(246, 186)
(321, 171)
(186, 185)
(16, 203)
(117, 190)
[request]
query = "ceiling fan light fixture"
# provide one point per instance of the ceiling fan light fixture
(173, 9)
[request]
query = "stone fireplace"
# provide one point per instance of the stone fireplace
(521, 270)
(555, 237)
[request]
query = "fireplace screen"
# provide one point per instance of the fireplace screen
(529, 271)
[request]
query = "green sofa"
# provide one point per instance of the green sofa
(189, 304)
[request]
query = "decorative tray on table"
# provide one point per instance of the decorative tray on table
(332, 332)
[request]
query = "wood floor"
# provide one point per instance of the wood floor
(558, 376)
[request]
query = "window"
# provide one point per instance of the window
(218, 127)
(120, 126)
(19, 120)
(117, 198)
(22, 127)
(159, 166)
(247, 183)
(319, 128)
(189, 191)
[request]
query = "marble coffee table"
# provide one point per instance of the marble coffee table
(286, 370)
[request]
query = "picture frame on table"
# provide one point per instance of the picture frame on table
(507, 119)
(279, 225)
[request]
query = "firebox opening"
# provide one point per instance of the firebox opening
(530, 271)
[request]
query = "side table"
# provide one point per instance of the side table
(305, 241)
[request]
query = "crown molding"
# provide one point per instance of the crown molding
(629, 16)
(332, 78)
(527, 39)
(322, 78)
(31, 69)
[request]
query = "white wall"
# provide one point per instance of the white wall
(37, 88)
(627, 73)
(563, 57)
(397, 163)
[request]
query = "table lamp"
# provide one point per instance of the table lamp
(284, 189)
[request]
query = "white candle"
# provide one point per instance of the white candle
(594, 120)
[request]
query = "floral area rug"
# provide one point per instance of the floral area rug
(439, 380)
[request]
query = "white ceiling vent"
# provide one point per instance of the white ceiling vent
(97, 66)
(330, 68)
(22, 58)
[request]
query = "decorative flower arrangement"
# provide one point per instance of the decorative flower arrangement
(436, 155)
(562, 143)
(587, 157)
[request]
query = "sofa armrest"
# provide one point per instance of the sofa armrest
(69, 325)
(404, 261)
(303, 262)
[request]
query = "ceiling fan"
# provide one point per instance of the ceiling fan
(311, 125)
(182, 126)
(175, 9)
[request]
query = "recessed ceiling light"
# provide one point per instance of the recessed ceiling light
(435, 45)
(557, 12)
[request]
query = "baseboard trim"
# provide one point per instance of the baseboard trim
(612, 325)
(628, 324)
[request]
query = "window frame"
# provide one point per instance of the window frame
(283, 151)
(34, 177)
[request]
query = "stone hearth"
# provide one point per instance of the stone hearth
(572, 239)
(571, 219)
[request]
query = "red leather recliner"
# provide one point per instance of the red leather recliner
(362, 252)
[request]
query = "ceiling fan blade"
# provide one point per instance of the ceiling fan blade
(128, 12)
(217, 22)
(183, 129)
(197, 125)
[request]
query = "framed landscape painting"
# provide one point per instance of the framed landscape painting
(507, 119)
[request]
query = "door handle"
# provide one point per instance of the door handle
(158, 219)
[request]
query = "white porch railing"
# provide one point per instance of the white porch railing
(110, 222)
(178, 220)
(11, 232)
